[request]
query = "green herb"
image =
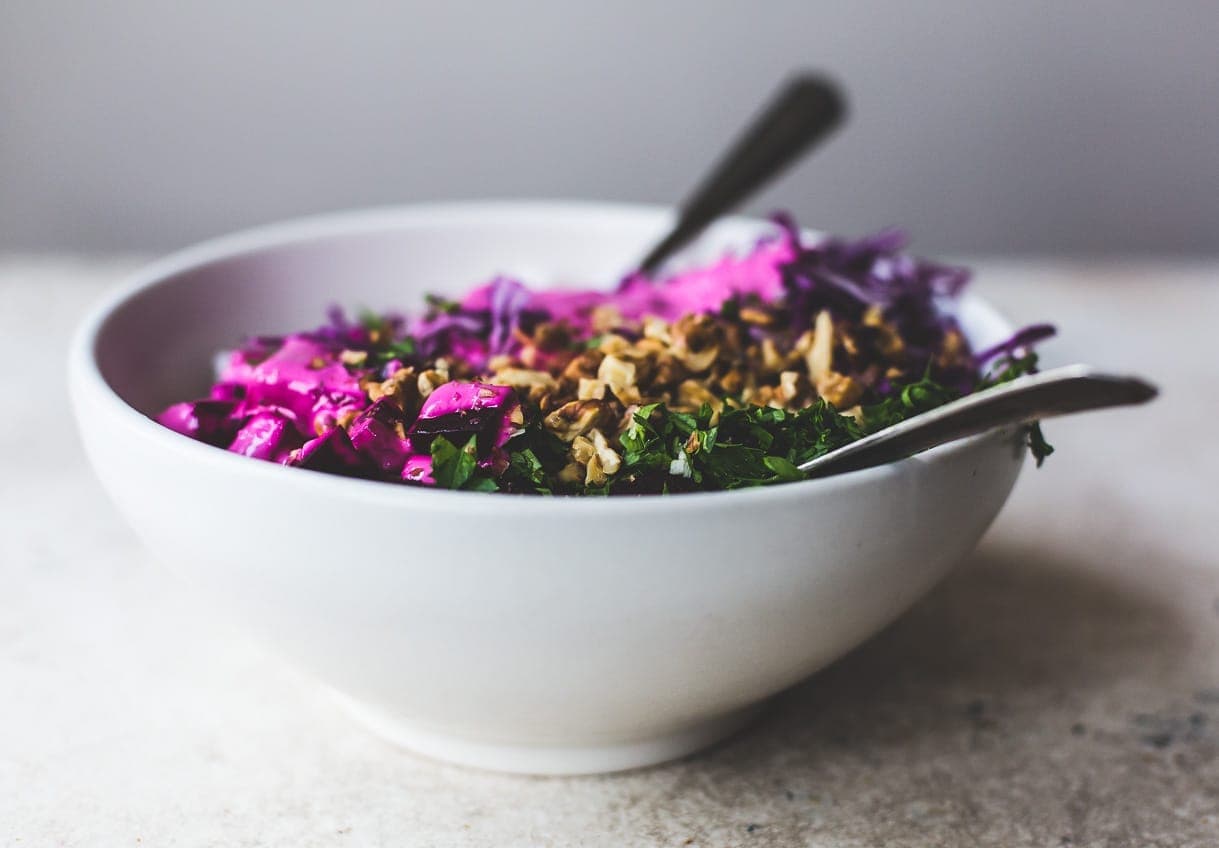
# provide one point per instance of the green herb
(457, 468)
(383, 347)
(535, 457)
(481, 484)
(442, 304)
(751, 446)
(911, 400)
(526, 466)
(1019, 366)
(402, 349)
(1013, 367)
(1038, 446)
(370, 320)
(783, 468)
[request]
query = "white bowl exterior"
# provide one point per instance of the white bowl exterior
(517, 623)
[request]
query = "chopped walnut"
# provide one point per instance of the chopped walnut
(605, 318)
(696, 341)
(839, 390)
(353, 357)
(584, 365)
(590, 389)
(597, 457)
(500, 362)
(648, 347)
(693, 443)
(692, 394)
(772, 361)
(577, 417)
(820, 357)
(373, 388)
(523, 378)
(849, 343)
(889, 341)
(619, 376)
(699, 361)
(763, 396)
(399, 387)
(666, 371)
(572, 472)
(732, 381)
(953, 346)
(429, 381)
(757, 317)
(582, 449)
(608, 458)
(534, 384)
(804, 344)
(613, 344)
(549, 336)
(790, 387)
(657, 328)
(345, 417)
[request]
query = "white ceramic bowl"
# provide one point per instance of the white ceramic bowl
(541, 635)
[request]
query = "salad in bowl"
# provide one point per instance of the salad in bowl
(722, 376)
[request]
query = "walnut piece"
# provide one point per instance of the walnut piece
(576, 418)
(820, 356)
(590, 389)
(619, 375)
(692, 394)
(533, 384)
(598, 458)
(790, 387)
(839, 390)
(399, 387)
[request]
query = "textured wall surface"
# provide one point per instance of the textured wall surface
(985, 126)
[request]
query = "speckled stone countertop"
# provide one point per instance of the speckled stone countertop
(1060, 689)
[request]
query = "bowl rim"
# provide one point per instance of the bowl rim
(88, 385)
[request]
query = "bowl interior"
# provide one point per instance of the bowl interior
(155, 342)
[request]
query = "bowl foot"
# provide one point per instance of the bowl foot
(551, 760)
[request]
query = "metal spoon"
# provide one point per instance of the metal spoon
(805, 110)
(1060, 391)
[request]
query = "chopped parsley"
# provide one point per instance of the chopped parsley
(665, 451)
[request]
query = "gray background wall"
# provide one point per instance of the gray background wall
(1073, 127)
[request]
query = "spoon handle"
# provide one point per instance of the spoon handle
(1061, 391)
(805, 110)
